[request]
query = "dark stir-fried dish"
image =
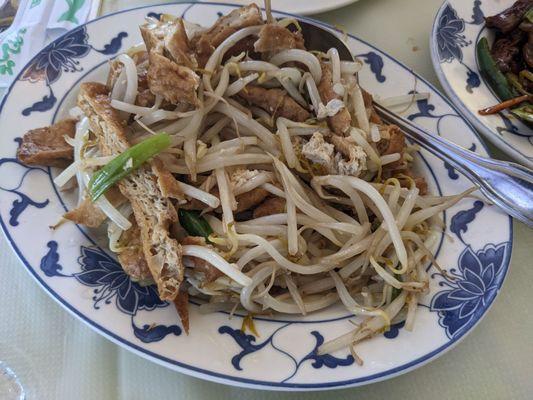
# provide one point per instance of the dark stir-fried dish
(232, 164)
(507, 65)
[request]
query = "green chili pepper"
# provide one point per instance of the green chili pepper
(125, 163)
(194, 223)
(524, 112)
(492, 74)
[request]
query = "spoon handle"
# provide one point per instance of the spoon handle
(506, 184)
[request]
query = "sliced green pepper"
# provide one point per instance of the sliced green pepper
(515, 83)
(490, 71)
(194, 223)
(125, 163)
(524, 112)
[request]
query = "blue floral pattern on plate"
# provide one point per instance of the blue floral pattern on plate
(91, 284)
(449, 35)
(376, 64)
(61, 56)
(457, 28)
(19, 205)
(425, 110)
(106, 276)
(50, 261)
(450, 41)
(471, 288)
(249, 346)
(460, 221)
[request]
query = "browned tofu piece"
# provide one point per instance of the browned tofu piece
(169, 38)
(276, 102)
(168, 184)
(340, 123)
(210, 273)
(394, 144)
(181, 302)
(47, 146)
(250, 199)
(368, 99)
(272, 205)
(206, 42)
(154, 213)
(175, 83)
(90, 215)
(132, 258)
(274, 38)
(145, 98)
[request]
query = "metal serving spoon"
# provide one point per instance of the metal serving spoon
(506, 184)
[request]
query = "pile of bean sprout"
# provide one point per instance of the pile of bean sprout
(358, 239)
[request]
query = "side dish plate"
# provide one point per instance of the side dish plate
(457, 28)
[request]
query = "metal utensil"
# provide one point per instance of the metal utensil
(506, 184)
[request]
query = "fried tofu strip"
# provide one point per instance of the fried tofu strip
(206, 42)
(47, 146)
(274, 38)
(171, 61)
(340, 123)
(152, 210)
(210, 273)
(89, 214)
(174, 82)
(181, 302)
(272, 205)
(275, 101)
(169, 38)
(132, 257)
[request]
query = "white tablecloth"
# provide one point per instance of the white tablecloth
(57, 357)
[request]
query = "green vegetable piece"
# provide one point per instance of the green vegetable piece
(524, 112)
(194, 223)
(123, 164)
(515, 83)
(492, 74)
(526, 74)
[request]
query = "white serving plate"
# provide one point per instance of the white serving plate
(83, 278)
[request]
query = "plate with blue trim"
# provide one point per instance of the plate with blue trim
(70, 264)
(457, 28)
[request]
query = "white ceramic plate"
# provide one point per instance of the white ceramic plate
(300, 7)
(457, 28)
(69, 264)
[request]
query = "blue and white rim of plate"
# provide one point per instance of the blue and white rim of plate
(452, 44)
(459, 307)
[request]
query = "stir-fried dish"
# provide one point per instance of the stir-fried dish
(234, 165)
(507, 64)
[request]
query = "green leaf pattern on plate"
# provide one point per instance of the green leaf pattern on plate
(7, 49)
(73, 7)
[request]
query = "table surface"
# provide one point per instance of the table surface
(58, 357)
